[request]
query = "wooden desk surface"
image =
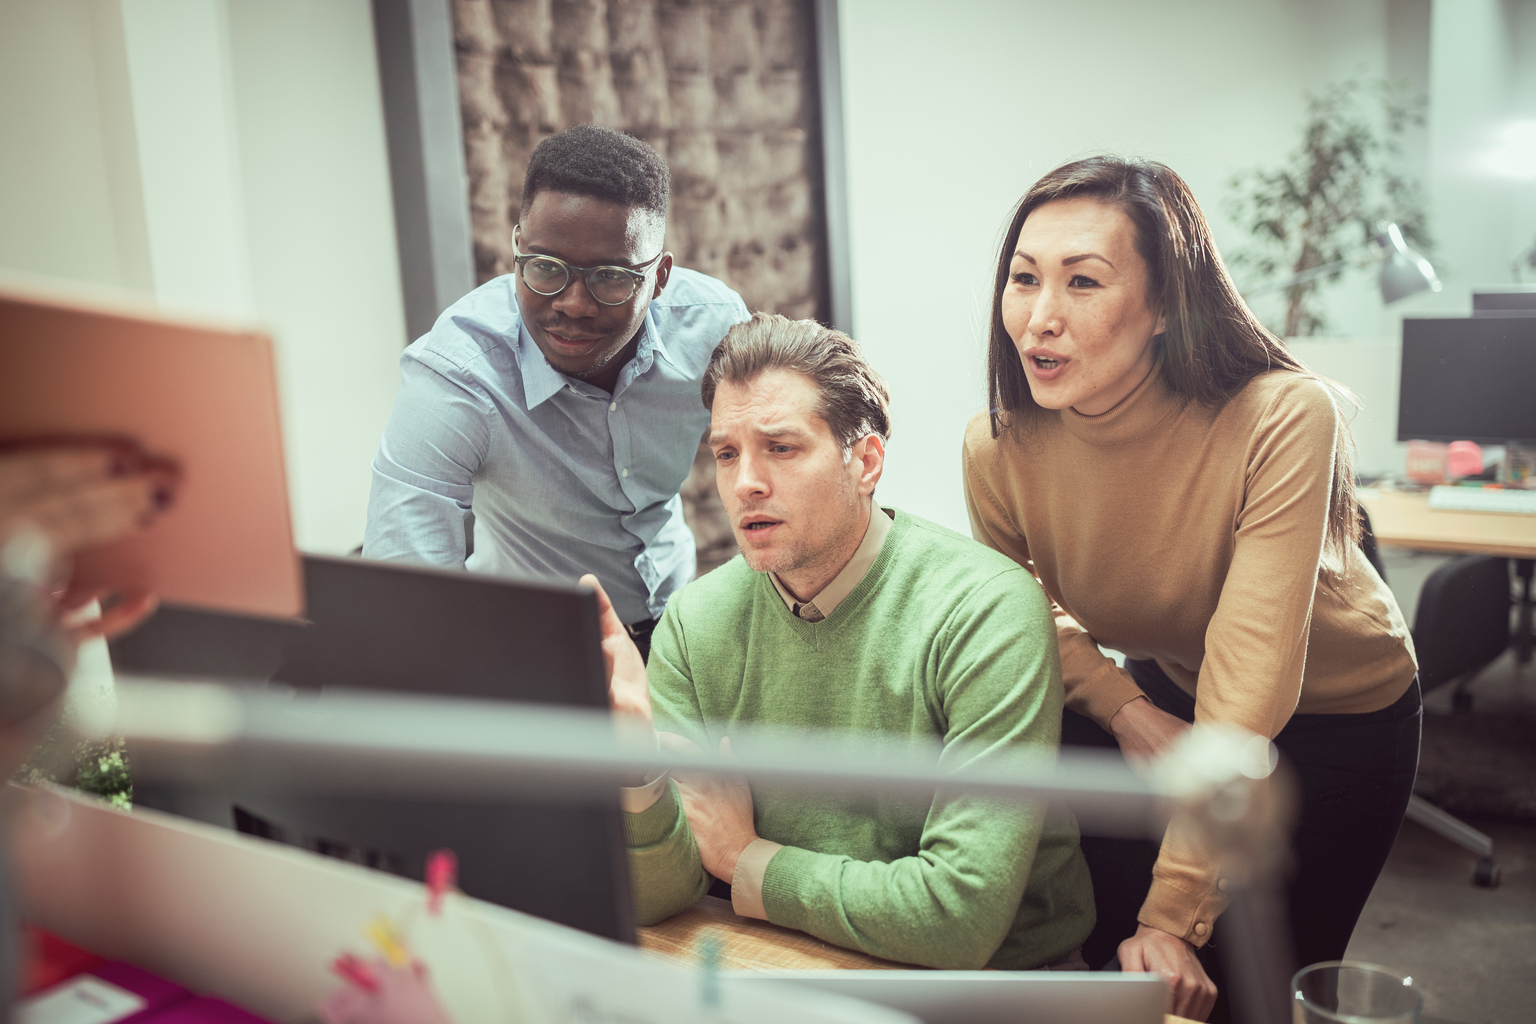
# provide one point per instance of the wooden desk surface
(1405, 520)
(751, 945)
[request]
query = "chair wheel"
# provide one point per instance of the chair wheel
(1461, 701)
(1486, 873)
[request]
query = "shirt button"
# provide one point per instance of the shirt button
(1200, 928)
(624, 473)
(613, 406)
(1223, 885)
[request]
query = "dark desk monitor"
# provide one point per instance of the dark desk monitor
(1468, 379)
(1516, 300)
(374, 625)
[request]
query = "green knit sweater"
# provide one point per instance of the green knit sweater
(942, 640)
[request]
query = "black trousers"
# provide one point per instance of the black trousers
(1355, 774)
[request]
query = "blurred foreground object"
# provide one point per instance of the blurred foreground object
(203, 399)
(1218, 778)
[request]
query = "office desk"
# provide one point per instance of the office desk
(1404, 520)
(747, 944)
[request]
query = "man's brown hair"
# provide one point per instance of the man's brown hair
(855, 401)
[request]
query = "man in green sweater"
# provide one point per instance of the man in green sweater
(842, 615)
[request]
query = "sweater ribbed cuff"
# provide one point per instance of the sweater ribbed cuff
(782, 904)
(656, 822)
(1095, 686)
(747, 882)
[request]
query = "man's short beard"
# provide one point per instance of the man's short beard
(795, 558)
(776, 562)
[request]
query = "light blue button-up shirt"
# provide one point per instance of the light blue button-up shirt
(494, 461)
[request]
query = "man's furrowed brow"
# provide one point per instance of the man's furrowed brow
(784, 430)
(788, 431)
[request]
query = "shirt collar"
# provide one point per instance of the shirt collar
(819, 606)
(541, 382)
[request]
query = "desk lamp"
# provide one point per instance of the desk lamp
(1403, 271)
(1526, 258)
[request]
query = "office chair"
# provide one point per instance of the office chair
(1460, 627)
(1462, 624)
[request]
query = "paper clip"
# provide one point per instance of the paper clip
(355, 971)
(381, 932)
(442, 874)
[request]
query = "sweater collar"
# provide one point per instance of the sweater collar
(1135, 416)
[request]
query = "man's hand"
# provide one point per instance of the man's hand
(719, 810)
(1191, 993)
(628, 692)
(1144, 732)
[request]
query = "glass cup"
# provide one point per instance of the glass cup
(1347, 992)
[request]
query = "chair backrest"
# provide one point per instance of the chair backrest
(1368, 544)
(1462, 623)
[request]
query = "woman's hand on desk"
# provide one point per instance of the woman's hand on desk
(77, 493)
(1191, 993)
(628, 692)
(1144, 731)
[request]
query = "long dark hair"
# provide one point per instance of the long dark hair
(1212, 346)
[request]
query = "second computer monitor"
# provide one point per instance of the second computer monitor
(384, 626)
(1468, 379)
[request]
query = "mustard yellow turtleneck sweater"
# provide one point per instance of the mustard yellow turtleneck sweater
(1193, 536)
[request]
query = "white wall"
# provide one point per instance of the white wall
(320, 221)
(66, 162)
(226, 157)
(951, 117)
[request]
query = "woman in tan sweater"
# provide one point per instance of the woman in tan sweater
(1184, 490)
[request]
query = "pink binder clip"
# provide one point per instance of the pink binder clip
(355, 971)
(442, 873)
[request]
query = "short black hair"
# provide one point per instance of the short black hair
(589, 160)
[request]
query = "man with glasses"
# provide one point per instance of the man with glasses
(546, 422)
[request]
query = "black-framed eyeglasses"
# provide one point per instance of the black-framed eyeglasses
(610, 286)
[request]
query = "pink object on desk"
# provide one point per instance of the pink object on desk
(205, 1010)
(110, 993)
(1426, 462)
(402, 995)
(1463, 458)
(153, 989)
(442, 875)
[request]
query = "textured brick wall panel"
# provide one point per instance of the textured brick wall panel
(723, 89)
(685, 36)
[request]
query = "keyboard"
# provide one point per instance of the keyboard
(1483, 499)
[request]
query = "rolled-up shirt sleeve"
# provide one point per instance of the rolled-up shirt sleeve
(419, 505)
